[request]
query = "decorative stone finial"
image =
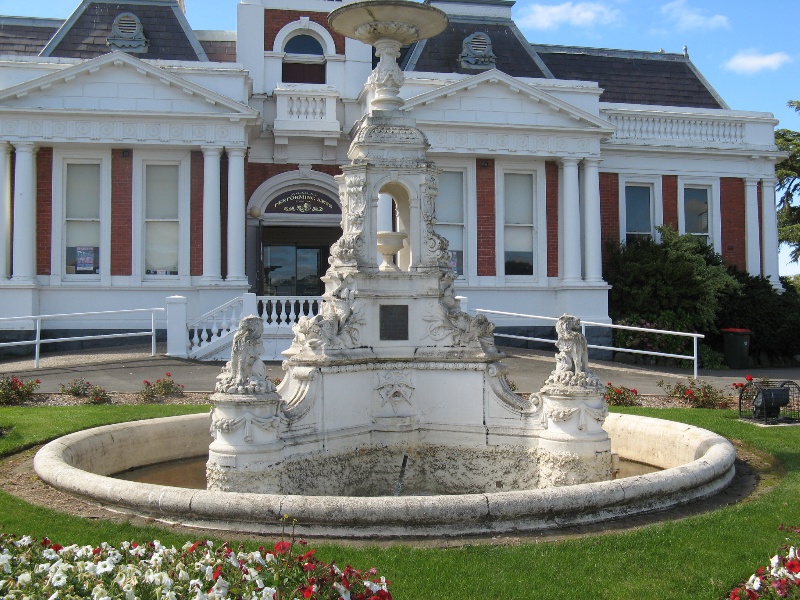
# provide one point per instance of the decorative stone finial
(572, 372)
(245, 373)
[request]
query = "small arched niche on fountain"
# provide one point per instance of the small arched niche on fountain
(395, 245)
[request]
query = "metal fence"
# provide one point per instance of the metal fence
(695, 336)
(38, 341)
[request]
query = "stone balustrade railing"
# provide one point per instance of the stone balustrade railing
(678, 128)
(306, 109)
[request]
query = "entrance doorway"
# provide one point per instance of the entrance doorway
(294, 259)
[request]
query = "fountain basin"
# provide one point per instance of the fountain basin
(697, 464)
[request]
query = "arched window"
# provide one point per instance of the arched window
(304, 61)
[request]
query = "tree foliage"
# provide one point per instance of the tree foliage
(788, 173)
(677, 284)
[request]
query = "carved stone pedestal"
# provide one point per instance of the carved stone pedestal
(574, 447)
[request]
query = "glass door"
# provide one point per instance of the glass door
(291, 270)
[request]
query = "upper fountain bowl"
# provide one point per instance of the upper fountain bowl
(372, 20)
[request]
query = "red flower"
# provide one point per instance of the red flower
(635, 391)
(748, 377)
(168, 374)
(793, 565)
(307, 591)
(217, 572)
(146, 382)
(97, 551)
(56, 547)
(282, 547)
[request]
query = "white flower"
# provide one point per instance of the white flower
(54, 596)
(24, 541)
(105, 566)
(50, 554)
(220, 588)
(267, 593)
(5, 559)
(343, 591)
(40, 568)
(58, 580)
(24, 579)
(754, 583)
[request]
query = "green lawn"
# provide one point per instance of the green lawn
(699, 557)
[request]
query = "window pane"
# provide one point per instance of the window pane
(161, 192)
(518, 198)
(161, 248)
(280, 272)
(308, 281)
(637, 209)
(83, 233)
(695, 210)
(454, 235)
(83, 191)
(303, 44)
(303, 73)
(450, 202)
(519, 251)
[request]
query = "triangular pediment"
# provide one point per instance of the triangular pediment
(120, 83)
(494, 98)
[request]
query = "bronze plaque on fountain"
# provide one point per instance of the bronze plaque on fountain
(394, 322)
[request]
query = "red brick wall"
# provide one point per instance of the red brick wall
(121, 212)
(485, 186)
(44, 209)
(275, 20)
(196, 217)
(257, 173)
(669, 194)
(609, 210)
(551, 179)
(734, 236)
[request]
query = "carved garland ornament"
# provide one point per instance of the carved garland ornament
(560, 414)
(248, 421)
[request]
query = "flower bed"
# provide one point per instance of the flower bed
(42, 569)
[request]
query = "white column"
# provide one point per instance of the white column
(769, 233)
(752, 234)
(177, 333)
(212, 242)
(592, 230)
(5, 211)
(571, 220)
(236, 216)
(24, 243)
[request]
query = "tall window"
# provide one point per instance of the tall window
(82, 217)
(518, 231)
(161, 220)
(450, 216)
(638, 212)
(304, 61)
(695, 211)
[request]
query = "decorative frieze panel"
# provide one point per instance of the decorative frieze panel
(511, 143)
(146, 132)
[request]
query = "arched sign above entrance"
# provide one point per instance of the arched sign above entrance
(303, 202)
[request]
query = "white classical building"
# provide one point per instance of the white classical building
(143, 159)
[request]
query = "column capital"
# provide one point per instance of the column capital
(769, 180)
(24, 146)
(236, 151)
(569, 161)
(592, 160)
(751, 180)
(212, 150)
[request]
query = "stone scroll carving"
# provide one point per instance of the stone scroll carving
(446, 319)
(244, 373)
(572, 371)
(336, 327)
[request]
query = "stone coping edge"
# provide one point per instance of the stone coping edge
(710, 471)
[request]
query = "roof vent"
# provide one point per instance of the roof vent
(127, 34)
(477, 52)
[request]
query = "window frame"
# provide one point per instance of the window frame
(538, 227)
(714, 236)
(140, 162)
(58, 251)
(654, 182)
(465, 240)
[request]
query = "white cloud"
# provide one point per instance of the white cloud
(748, 62)
(686, 18)
(581, 14)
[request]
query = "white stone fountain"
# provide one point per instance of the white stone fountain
(392, 388)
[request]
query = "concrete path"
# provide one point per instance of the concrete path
(123, 369)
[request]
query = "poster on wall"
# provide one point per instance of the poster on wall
(84, 259)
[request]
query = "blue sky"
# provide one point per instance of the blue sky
(748, 51)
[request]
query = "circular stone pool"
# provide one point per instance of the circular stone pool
(696, 464)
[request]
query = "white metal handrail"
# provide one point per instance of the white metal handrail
(38, 341)
(695, 336)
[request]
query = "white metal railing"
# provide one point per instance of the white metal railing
(695, 336)
(279, 311)
(38, 341)
(677, 128)
(214, 324)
